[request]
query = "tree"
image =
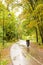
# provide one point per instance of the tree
(30, 14)
(38, 15)
(9, 2)
(9, 27)
(33, 5)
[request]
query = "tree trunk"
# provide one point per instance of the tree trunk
(41, 32)
(36, 34)
(42, 39)
(32, 2)
(41, 36)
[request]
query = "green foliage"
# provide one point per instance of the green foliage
(10, 27)
(35, 18)
(8, 20)
(9, 1)
(4, 62)
(1, 34)
(32, 13)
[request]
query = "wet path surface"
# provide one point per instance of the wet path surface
(21, 55)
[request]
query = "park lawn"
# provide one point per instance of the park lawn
(5, 54)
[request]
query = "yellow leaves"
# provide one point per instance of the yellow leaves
(40, 7)
(38, 10)
(24, 1)
(1, 7)
(9, 1)
(33, 24)
(24, 15)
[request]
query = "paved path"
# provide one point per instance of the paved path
(20, 55)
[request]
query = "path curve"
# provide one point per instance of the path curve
(19, 54)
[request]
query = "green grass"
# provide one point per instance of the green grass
(3, 62)
(6, 45)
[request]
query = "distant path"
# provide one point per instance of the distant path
(20, 55)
